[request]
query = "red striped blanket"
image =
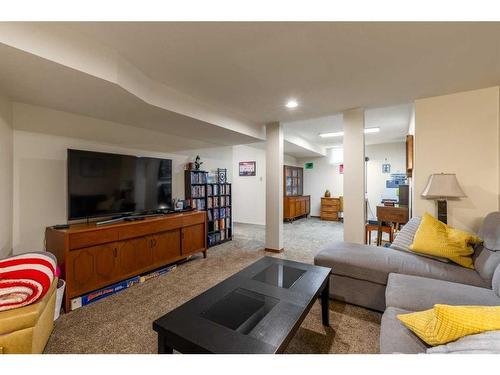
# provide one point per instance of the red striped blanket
(25, 278)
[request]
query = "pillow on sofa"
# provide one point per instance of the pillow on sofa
(495, 282)
(486, 342)
(445, 323)
(405, 236)
(434, 237)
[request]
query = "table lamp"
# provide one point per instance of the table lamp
(440, 187)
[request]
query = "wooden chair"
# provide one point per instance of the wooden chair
(394, 216)
(369, 228)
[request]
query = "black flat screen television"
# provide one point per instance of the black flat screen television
(102, 184)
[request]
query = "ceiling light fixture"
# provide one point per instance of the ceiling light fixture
(341, 134)
(291, 104)
(329, 135)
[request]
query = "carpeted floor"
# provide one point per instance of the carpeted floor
(122, 323)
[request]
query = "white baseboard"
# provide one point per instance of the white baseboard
(248, 222)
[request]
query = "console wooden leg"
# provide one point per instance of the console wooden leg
(205, 254)
(325, 298)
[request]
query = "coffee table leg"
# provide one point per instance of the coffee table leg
(163, 348)
(325, 297)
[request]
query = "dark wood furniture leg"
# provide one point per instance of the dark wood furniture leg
(379, 233)
(204, 254)
(325, 298)
(163, 348)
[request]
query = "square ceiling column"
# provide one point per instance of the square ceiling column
(274, 187)
(354, 175)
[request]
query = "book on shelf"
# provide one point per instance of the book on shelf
(198, 177)
(198, 191)
(198, 204)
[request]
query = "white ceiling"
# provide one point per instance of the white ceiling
(328, 67)
(27, 78)
(393, 122)
(247, 71)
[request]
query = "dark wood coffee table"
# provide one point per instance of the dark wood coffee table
(257, 310)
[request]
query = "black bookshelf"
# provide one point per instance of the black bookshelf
(216, 199)
(195, 188)
(219, 213)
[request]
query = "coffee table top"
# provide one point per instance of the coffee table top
(257, 310)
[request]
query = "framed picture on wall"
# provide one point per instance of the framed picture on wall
(247, 168)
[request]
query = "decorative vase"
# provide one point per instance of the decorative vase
(327, 194)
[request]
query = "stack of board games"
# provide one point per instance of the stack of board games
(99, 294)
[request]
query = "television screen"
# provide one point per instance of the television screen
(102, 184)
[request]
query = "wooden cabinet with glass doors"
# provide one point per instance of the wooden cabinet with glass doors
(295, 204)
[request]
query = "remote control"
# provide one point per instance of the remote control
(61, 226)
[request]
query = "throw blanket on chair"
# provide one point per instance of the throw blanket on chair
(25, 278)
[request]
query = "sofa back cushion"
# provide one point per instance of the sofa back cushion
(485, 262)
(495, 283)
(490, 231)
(487, 256)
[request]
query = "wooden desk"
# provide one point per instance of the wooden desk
(391, 214)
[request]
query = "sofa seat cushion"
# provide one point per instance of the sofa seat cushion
(374, 264)
(395, 337)
(417, 293)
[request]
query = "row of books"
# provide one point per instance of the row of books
(217, 237)
(198, 204)
(198, 178)
(218, 213)
(224, 200)
(218, 189)
(222, 224)
(198, 191)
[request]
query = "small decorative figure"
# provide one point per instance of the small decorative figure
(197, 162)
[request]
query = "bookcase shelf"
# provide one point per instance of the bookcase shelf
(214, 198)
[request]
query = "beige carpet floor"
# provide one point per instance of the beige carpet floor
(123, 323)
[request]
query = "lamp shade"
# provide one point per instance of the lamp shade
(443, 185)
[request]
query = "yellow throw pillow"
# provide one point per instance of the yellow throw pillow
(444, 323)
(434, 237)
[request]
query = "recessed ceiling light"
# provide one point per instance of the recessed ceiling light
(341, 134)
(329, 135)
(291, 103)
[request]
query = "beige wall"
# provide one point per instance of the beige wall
(39, 167)
(6, 146)
(249, 192)
(459, 133)
(384, 153)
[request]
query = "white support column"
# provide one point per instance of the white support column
(274, 187)
(354, 175)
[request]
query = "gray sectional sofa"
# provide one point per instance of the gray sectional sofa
(395, 282)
